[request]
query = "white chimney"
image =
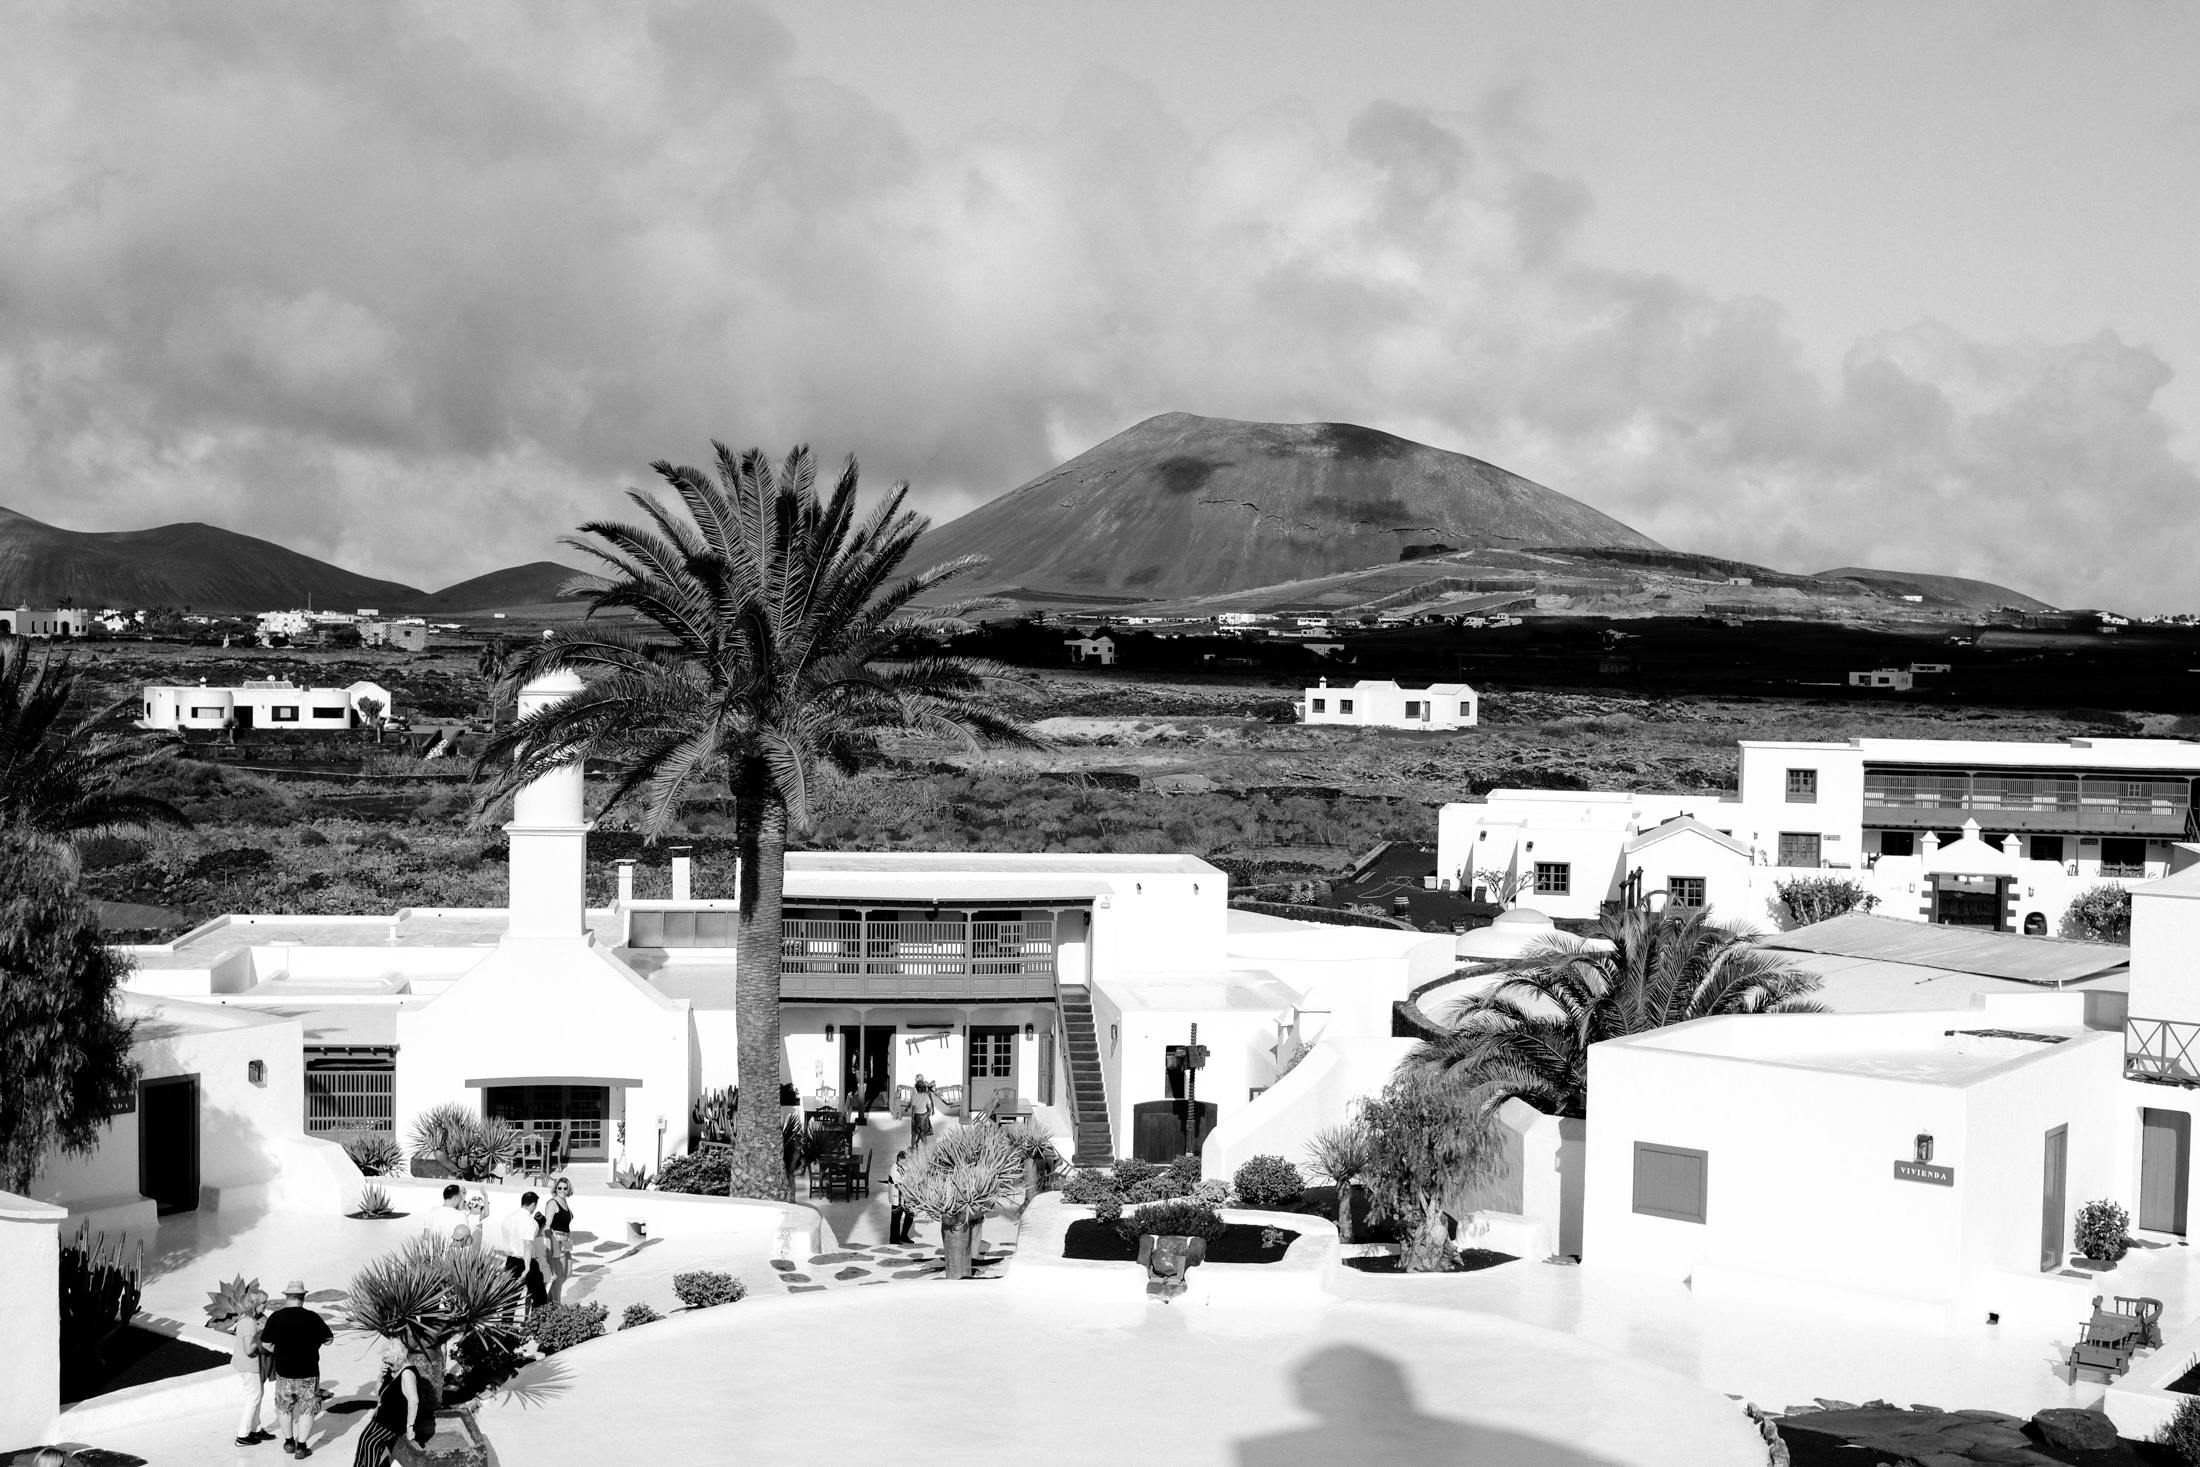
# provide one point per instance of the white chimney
(683, 870)
(549, 835)
(626, 882)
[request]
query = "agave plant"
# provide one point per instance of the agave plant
(374, 1201)
(473, 1148)
(434, 1295)
(375, 1154)
(959, 1178)
(225, 1304)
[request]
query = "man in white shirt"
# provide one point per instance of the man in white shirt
(517, 1236)
(446, 1218)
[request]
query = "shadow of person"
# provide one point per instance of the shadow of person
(1369, 1419)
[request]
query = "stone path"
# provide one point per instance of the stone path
(877, 1263)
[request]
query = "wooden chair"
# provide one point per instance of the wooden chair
(533, 1156)
(2106, 1341)
(2148, 1311)
(950, 1097)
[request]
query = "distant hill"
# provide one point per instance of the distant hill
(1955, 590)
(200, 566)
(520, 585)
(1180, 505)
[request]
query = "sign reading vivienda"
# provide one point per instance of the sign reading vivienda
(1926, 1172)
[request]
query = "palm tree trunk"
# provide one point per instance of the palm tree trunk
(759, 1160)
(1429, 1250)
(1344, 1211)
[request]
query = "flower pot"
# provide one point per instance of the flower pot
(457, 1441)
(958, 1240)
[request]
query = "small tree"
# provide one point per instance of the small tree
(1432, 1140)
(1343, 1155)
(434, 1296)
(371, 709)
(959, 1178)
(1502, 887)
(1820, 898)
(2100, 914)
(65, 1063)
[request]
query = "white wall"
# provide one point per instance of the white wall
(1729, 880)
(2165, 949)
(1238, 1042)
(30, 1318)
(1317, 1094)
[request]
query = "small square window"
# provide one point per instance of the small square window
(1344, 705)
(1684, 891)
(2123, 856)
(1802, 787)
(1799, 849)
(1321, 705)
(1413, 709)
(1554, 878)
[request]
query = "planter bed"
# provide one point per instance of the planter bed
(135, 1357)
(1094, 1241)
(1470, 1259)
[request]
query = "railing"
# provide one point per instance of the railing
(350, 1100)
(2022, 802)
(2162, 1051)
(857, 958)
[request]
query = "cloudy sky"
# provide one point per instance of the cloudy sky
(419, 287)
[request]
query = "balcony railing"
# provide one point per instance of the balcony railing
(852, 958)
(2023, 802)
(2162, 1050)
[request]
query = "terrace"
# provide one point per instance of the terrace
(2088, 803)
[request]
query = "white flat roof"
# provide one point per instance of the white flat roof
(2076, 753)
(1203, 991)
(2031, 960)
(1853, 985)
(1935, 1047)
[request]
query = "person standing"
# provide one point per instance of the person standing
(293, 1337)
(901, 1223)
(921, 1104)
(404, 1408)
(516, 1237)
(557, 1238)
(448, 1218)
(250, 1363)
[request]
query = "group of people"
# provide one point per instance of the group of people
(277, 1353)
(535, 1238)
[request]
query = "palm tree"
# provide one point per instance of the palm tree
(766, 612)
(1342, 1153)
(493, 661)
(1529, 1035)
(60, 780)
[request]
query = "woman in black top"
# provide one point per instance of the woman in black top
(405, 1408)
(557, 1236)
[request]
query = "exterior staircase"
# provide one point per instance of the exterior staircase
(1081, 1064)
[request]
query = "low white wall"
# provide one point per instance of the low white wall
(30, 1318)
(785, 1226)
(1316, 1095)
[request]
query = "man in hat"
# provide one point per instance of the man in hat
(293, 1337)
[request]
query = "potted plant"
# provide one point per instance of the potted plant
(959, 1178)
(2101, 1226)
(450, 1140)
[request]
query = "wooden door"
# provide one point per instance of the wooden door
(168, 1143)
(992, 1066)
(2054, 1197)
(2165, 1169)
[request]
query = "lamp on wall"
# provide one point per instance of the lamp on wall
(828, 1031)
(256, 1071)
(1924, 1147)
(1031, 1031)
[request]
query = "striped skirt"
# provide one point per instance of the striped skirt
(377, 1444)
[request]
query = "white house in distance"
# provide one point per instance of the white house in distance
(1894, 679)
(44, 621)
(406, 633)
(1064, 985)
(1099, 648)
(271, 703)
(1384, 704)
(1969, 832)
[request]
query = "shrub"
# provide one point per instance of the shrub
(2101, 1227)
(1108, 1208)
(558, 1327)
(706, 1172)
(1159, 1187)
(375, 1154)
(1129, 1171)
(1215, 1192)
(1821, 898)
(2100, 914)
(638, 1314)
(99, 1294)
(374, 1201)
(433, 1293)
(2181, 1433)
(1186, 1169)
(1176, 1219)
(1089, 1187)
(705, 1287)
(1269, 1181)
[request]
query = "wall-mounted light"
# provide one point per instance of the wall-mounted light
(828, 1031)
(1531, 845)
(1115, 1033)
(1031, 1031)
(256, 1071)
(1924, 1147)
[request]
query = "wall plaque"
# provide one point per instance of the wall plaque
(1926, 1172)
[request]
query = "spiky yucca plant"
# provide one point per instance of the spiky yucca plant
(374, 1201)
(433, 1295)
(959, 1178)
(1342, 1154)
(475, 1149)
(772, 650)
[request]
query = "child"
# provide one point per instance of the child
(901, 1222)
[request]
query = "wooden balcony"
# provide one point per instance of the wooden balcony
(2062, 804)
(873, 960)
(2163, 1051)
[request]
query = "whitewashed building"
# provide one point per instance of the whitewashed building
(1384, 704)
(44, 621)
(1985, 833)
(272, 703)
(1098, 648)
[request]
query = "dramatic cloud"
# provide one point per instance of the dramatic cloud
(418, 288)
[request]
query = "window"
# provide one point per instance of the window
(2123, 856)
(1670, 1181)
(1799, 849)
(1413, 709)
(348, 1092)
(992, 1053)
(1321, 705)
(326, 712)
(1898, 843)
(1344, 705)
(283, 713)
(2047, 848)
(1802, 787)
(1684, 891)
(209, 713)
(1466, 710)
(575, 1113)
(1554, 878)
